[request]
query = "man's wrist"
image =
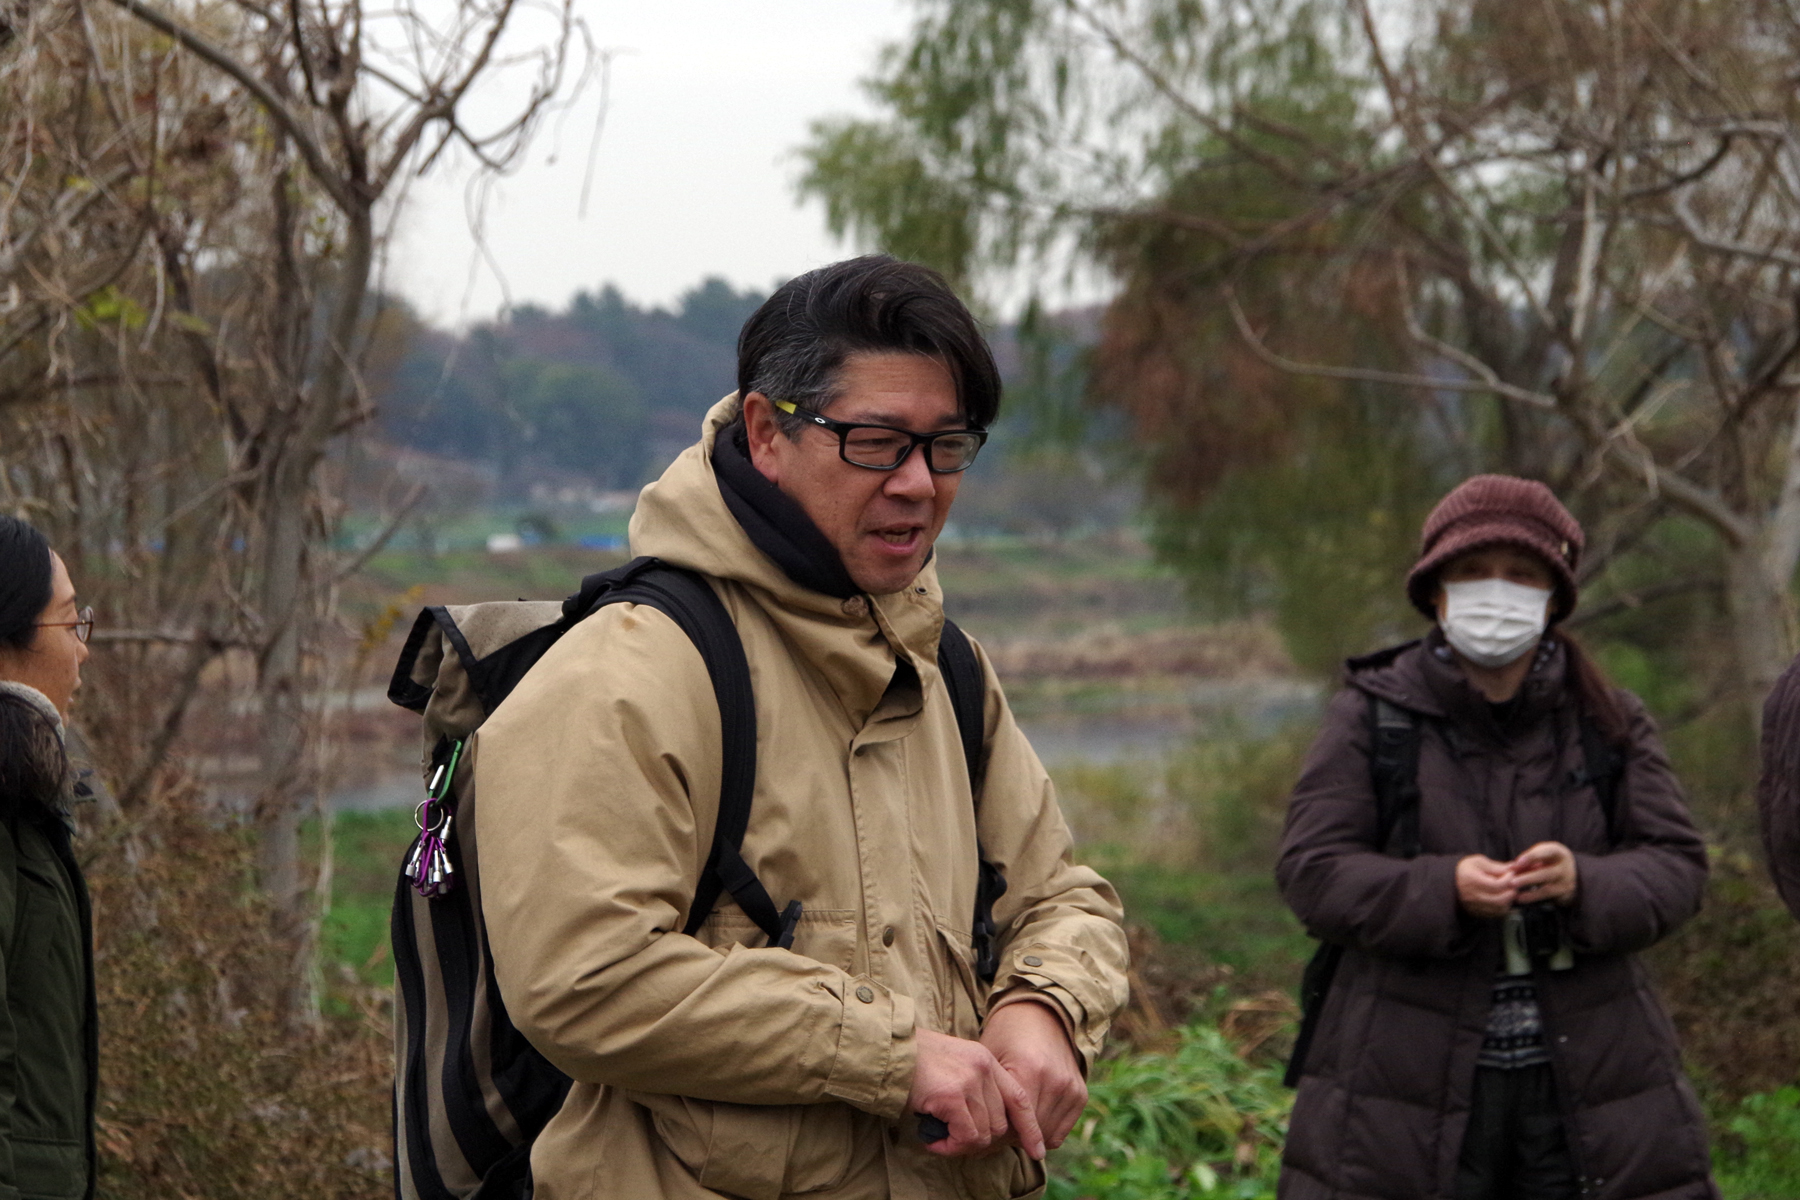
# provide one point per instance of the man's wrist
(1040, 1000)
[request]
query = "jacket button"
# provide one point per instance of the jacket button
(1032, 960)
(855, 606)
(865, 994)
(887, 936)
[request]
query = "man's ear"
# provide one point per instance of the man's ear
(761, 432)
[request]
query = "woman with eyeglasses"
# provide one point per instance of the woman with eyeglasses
(48, 1041)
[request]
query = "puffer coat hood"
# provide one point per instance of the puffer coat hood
(1384, 1100)
(714, 1065)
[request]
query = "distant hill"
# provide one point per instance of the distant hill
(604, 389)
(564, 411)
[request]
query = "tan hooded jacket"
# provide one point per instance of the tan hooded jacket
(711, 1065)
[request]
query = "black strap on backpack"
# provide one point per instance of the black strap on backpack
(1396, 735)
(693, 605)
(963, 678)
(1395, 738)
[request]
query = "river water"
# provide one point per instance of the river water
(1118, 727)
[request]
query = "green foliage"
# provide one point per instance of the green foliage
(1015, 127)
(588, 390)
(1758, 1157)
(583, 418)
(109, 305)
(1218, 918)
(1322, 538)
(1216, 804)
(367, 850)
(1198, 1121)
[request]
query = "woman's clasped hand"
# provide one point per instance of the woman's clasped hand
(1545, 872)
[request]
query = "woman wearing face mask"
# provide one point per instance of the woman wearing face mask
(47, 1012)
(1488, 1033)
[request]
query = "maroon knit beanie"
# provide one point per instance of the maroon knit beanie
(1498, 510)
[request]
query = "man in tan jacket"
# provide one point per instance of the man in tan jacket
(715, 1065)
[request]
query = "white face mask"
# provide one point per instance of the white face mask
(1491, 622)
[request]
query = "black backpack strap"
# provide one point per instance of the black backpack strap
(691, 602)
(962, 675)
(1395, 736)
(963, 678)
(1603, 766)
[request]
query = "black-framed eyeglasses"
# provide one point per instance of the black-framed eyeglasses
(83, 624)
(884, 448)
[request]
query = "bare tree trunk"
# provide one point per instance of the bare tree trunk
(288, 724)
(284, 734)
(1762, 621)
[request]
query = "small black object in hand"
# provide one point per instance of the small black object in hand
(931, 1129)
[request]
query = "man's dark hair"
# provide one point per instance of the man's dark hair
(794, 345)
(26, 582)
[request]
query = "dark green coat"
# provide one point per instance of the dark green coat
(48, 1043)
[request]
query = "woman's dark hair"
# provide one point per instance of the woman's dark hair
(792, 347)
(1595, 694)
(25, 582)
(33, 764)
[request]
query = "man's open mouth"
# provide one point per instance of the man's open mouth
(901, 538)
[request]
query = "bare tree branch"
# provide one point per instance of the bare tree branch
(390, 527)
(279, 112)
(1489, 385)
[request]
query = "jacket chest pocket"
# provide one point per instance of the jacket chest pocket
(758, 1151)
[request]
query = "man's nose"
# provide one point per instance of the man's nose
(912, 479)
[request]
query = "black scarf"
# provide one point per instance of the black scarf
(775, 521)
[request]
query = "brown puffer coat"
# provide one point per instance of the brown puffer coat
(1384, 1100)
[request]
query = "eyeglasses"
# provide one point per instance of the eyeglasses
(884, 448)
(83, 624)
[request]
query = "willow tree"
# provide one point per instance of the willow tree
(1556, 239)
(191, 221)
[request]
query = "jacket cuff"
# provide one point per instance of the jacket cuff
(876, 1051)
(1069, 983)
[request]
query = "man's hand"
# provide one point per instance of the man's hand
(963, 1085)
(1030, 1043)
(1545, 872)
(1484, 887)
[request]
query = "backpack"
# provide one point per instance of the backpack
(1395, 737)
(470, 1092)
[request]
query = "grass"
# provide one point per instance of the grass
(367, 850)
(1195, 1121)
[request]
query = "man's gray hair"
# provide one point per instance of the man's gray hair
(800, 372)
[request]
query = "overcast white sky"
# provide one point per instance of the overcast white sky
(695, 167)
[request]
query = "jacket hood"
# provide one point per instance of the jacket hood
(684, 519)
(33, 699)
(1423, 676)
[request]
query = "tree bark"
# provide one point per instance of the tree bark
(1762, 620)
